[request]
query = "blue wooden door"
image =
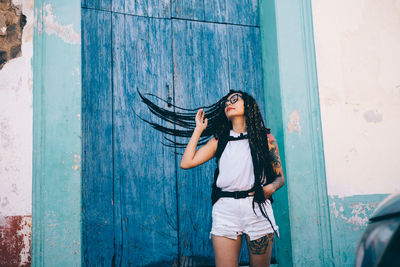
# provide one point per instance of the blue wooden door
(139, 207)
(129, 179)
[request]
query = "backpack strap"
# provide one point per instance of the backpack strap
(222, 142)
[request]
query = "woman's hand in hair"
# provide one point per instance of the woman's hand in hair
(192, 156)
(201, 123)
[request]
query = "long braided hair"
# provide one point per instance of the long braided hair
(218, 125)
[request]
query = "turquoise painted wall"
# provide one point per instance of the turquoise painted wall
(316, 229)
(273, 116)
(56, 225)
(349, 216)
(292, 101)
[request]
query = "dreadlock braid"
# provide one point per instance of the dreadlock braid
(219, 125)
(258, 142)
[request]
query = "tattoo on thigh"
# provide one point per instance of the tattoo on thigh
(259, 246)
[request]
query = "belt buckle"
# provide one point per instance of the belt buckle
(240, 194)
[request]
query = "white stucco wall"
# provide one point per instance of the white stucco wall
(16, 142)
(16, 125)
(358, 62)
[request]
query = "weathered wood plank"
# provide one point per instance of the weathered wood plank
(145, 184)
(146, 8)
(97, 176)
(193, 10)
(241, 12)
(200, 78)
(97, 4)
(245, 61)
(215, 11)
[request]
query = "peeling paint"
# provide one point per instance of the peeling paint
(25, 232)
(372, 116)
(51, 26)
(15, 241)
(354, 213)
(348, 218)
(294, 122)
(77, 161)
(28, 33)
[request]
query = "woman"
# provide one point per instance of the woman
(248, 173)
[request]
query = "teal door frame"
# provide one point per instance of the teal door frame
(56, 185)
(292, 111)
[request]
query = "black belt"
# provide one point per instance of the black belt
(234, 194)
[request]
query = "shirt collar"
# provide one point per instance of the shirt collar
(235, 134)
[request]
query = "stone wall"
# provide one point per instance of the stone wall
(12, 23)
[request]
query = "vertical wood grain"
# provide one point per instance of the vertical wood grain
(216, 10)
(241, 12)
(200, 78)
(245, 61)
(145, 193)
(97, 176)
(193, 10)
(146, 8)
(97, 4)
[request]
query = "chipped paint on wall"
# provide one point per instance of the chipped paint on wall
(50, 25)
(25, 232)
(294, 122)
(15, 240)
(358, 62)
(77, 162)
(356, 213)
(348, 218)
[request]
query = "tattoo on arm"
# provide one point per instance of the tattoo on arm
(276, 162)
(278, 183)
(259, 246)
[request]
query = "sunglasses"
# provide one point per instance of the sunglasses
(233, 99)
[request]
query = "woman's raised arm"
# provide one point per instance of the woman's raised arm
(192, 157)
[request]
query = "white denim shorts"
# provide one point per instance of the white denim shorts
(232, 217)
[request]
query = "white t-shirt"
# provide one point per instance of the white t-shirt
(236, 166)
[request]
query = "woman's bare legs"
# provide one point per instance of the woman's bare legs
(226, 251)
(260, 250)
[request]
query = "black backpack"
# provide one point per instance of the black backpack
(222, 142)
